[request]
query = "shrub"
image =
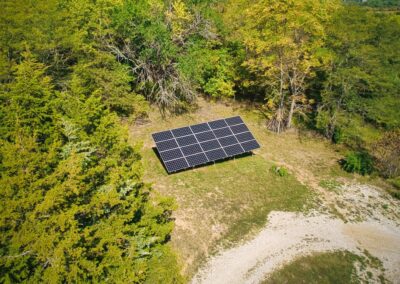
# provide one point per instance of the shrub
(280, 171)
(395, 182)
(358, 162)
(387, 154)
(337, 136)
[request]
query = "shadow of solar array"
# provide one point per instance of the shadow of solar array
(199, 144)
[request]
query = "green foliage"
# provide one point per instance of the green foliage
(358, 162)
(73, 205)
(361, 75)
(67, 168)
(280, 171)
(337, 135)
(218, 87)
(395, 182)
(283, 42)
(211, 69)
(149, 36)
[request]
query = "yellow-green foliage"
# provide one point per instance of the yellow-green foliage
(73, 207)
(179, 18)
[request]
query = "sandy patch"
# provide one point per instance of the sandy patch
(371, 224)
(289, 235)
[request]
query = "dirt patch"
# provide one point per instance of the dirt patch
(371, 222)
(289, 235)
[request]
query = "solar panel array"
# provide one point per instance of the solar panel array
(202, 143)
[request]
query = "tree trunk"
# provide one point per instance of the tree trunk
(282, 97)
(292, 105)
(293, 83)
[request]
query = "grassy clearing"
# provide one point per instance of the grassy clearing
(223, 203)
(332, 267)
(242, 191)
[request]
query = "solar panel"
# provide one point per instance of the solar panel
(186, 140)
(210, 145)
(199, 144)
(239, 128)
(197, 128)
(222, 132)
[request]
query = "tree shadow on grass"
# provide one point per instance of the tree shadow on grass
(247, 154)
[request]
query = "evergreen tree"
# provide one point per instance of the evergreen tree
(73, 206)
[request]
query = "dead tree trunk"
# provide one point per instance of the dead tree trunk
(290, 116)
(293, 88)
(280, 112)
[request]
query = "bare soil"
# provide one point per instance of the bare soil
(374, 226)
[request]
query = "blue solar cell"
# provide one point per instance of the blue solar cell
(160, 136)
(166, 145)
(205, 136)
(200, 127)
(197, 159)
(178, 132)
(176, 165)
(171, 154)
(226, 141)
(222, 132)
(250, 145)
(217, 123)
(192, 149)
(233, 150)
(239, 128)
(201, 143)
(214, 155)
(243, 137)
(187, 140)
(234, 120)
(210, 145)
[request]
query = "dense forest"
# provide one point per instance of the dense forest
(74, 206)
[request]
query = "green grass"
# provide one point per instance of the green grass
(243, 190)
(233, 195)
(247, 192)
(332, 267)
(331, 185)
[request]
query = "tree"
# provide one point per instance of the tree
(211, 69)
(359, 77)
(73, 206)
(283, 41)
(143, 39)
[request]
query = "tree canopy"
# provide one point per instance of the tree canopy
(73, 204)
